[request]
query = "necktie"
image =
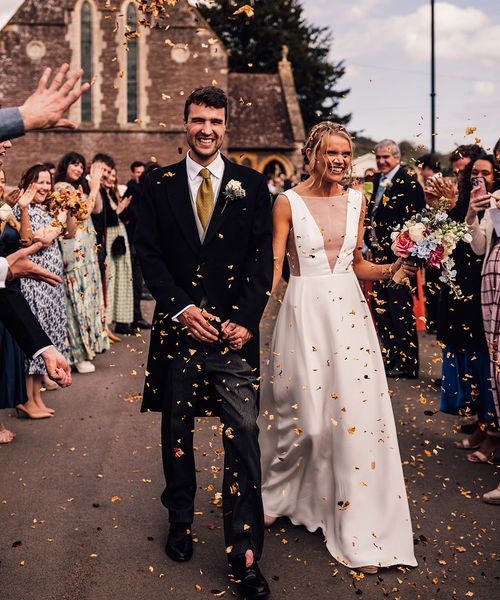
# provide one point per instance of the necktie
(380, 193)
(205, 199)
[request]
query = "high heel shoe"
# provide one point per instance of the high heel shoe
(22, 413)
(368, 569)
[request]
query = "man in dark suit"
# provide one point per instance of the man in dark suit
(204, 238)
(397, 196)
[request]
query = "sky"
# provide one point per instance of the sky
(385, 45)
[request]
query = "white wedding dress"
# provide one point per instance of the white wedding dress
(330, 452)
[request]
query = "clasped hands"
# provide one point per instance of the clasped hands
(198, 323)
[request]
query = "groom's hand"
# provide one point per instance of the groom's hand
(236, 335)
(197, 322)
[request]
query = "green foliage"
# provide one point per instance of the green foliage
(255, 46)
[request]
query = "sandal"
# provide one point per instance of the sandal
(480, 457)
(6, 436)
(466, 445)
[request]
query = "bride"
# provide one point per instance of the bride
(330, 453)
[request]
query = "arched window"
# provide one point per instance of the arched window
(132, 108)
(86, 59)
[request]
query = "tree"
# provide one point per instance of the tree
(255, 44)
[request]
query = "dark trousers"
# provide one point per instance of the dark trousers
(393, 311)
(137, 282)
(235, 385)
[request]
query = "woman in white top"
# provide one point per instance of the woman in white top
(486, 240)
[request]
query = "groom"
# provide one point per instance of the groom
(204, 238)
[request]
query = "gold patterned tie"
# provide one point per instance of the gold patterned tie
(205, 199)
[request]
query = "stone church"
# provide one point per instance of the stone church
(141, 77)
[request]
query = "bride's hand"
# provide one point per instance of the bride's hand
(410, 268)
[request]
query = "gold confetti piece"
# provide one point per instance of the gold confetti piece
(373, 465)
(247, 10)
(229, 549)
(151, 569)
(470, 130)
(115, 499)
(351, 430)
(197, 587)
(460, 549)
(246, 527)
(94, 555)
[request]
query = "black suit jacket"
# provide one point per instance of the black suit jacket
(232, 268)
(22, 324)
(402, 200)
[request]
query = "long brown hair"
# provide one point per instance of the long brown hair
(31, 175)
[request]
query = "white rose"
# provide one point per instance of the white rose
(416, 232)
(5, 212)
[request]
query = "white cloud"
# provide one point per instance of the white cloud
(460, 32)
(484, 88)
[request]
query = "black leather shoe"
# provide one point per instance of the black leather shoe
(141, 324)
(179, 542)
(125, 329)
(400, 374)
(253, 584)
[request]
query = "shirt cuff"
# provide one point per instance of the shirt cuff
(176, 317)
(4, 270)
(11, 124)
(38, 352)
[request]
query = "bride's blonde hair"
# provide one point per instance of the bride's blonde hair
(317, 140)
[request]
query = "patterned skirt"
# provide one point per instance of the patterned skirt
(84, 297)
(490, 300)
(119, 287)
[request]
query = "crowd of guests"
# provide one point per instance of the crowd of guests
(94, 255)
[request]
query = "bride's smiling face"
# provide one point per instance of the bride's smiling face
(333, 159)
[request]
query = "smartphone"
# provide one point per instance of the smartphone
(479, 185)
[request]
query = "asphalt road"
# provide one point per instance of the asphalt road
(80, 516)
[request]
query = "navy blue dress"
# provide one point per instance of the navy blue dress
(12, 376)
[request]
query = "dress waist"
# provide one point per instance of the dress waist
(348, 271)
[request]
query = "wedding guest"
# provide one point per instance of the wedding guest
(428, 165)
(486, 243)
(129, 218)
(99, 215)
(82, 281)
(12, 231)
(322, 444)
(397, 196)
(119, 287)
(464, 385)
(46, 302)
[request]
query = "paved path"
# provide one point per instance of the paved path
(80, 516)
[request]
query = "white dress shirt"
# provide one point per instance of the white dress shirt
(4, 269)
(216, 168)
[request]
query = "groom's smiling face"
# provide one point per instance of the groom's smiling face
(205, 129)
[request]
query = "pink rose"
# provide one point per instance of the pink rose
(402, 245)
(436, 257)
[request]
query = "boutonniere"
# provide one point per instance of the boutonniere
(234, 191)
(386, 184)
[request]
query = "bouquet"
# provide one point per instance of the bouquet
(428, 239)
(66, 199)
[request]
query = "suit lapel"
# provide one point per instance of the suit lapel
(221, 210)
(180, 201)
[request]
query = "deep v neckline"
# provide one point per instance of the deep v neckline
(341, 251)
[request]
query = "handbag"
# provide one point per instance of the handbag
(118, 247)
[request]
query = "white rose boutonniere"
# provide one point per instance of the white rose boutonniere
(234, 191)
(386, 184)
